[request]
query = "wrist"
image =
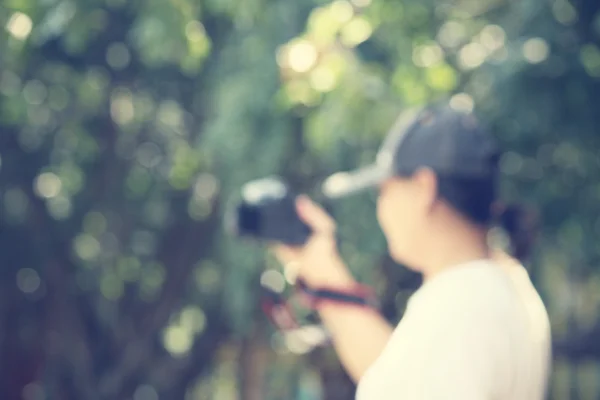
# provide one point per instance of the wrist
(329, 308)
(347, 295)
(333, 275)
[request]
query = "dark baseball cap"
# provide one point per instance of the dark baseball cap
(446, 138)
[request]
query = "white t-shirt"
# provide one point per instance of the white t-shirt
(477, 331)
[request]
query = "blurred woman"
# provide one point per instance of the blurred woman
(476, 329)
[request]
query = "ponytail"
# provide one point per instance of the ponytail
(520, 224)
(515, 224)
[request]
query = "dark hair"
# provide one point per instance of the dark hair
(520, 223)
(476, 199)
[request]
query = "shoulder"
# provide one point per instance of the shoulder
(469, 291)
(448, 339)
(470, 314)
(458, 337)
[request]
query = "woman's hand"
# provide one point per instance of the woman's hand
(320, 265)
(318, 261)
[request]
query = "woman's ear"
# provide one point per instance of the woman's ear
(426, 180)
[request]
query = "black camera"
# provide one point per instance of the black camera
(267, 208)
(267, 211)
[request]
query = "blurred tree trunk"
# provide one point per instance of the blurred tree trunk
(254, 362)
(335, 383)
(23, 361)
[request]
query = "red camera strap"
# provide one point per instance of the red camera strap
(280, 312)
(359, 295)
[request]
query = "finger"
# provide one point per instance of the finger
(285, 254)
(289, 259)
(314, 216)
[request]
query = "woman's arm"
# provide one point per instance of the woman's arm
(359, 333)
(359, 336)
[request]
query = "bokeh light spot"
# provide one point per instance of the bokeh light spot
(19, 25)
(149, 154)
(342, 10)
(564, 12)
(590, 58)
(199, 209)
(59, 207)
(356, 31)
(86, 247)
(323, 79)
(47, 185)
(145, 392)
(208, 278)
(492, 37)
(35, 92)
(536, 50)
(462, 102)
(300, 92)
(129, 268)
(143, 243)
(323, 26)
(206, 187)
(170, 114)
(151, 281)
(193, 319)
(177, 340)
(302, 56)
(472, 55)
(427, 55)
(94, 223)
(273, 280)
(511, 163)
(194, 30)
(441, 77)
(118, 55)
(111, 286)
(28, 280)
(451, 34)
(121, 107)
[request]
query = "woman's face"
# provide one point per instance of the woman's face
(402, 210)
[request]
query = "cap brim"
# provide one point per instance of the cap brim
(344, 184)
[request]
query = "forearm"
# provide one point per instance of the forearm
(359, 333)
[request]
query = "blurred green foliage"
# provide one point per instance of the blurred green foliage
(126, 128)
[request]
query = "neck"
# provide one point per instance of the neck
(449, 247)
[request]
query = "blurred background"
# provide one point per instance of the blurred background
(127, 128)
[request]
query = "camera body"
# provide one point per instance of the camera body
(267, 211)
